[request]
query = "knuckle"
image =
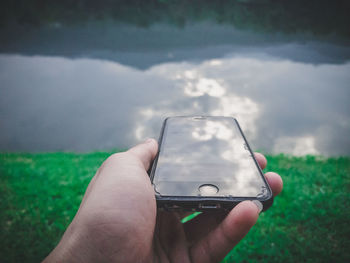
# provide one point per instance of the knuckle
(115, 157)
(113, 160)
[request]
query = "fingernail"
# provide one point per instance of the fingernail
(258, 204)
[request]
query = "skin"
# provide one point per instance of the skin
(118, 221)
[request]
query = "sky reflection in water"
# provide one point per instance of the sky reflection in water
(283, 102)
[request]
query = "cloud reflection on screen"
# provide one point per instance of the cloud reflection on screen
(205, 151)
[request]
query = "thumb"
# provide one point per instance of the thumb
(145, 152)
(215, 246)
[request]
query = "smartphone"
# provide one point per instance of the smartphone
(205, 163)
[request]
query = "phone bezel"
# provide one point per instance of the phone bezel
(205, 203)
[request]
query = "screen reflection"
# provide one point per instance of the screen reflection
(198, 151)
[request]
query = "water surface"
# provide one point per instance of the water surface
(103, 85)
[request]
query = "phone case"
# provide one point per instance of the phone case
(204, 203)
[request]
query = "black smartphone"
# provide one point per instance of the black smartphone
(205, 163)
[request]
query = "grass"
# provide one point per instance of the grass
(309, 221)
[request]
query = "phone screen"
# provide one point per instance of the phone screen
(206, 156)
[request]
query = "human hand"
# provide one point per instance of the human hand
(118, 221)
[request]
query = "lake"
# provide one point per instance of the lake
(106, 83)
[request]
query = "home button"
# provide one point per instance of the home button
(208, 189)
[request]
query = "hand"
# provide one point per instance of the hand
(118, 221)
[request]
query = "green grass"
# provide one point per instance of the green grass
(309, 221)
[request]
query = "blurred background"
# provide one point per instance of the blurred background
(81, 79)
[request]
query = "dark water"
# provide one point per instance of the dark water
(109, 83)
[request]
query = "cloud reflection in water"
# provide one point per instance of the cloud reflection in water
(50, 103)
